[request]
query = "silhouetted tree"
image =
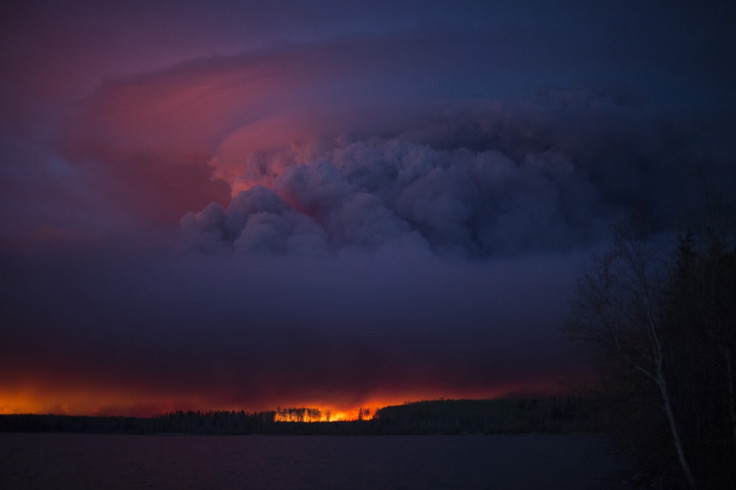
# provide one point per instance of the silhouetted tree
(659, 329)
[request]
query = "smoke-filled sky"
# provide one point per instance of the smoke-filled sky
(242, 204)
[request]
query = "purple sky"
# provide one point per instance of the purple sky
(233, 204)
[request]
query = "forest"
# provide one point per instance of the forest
(657, 320)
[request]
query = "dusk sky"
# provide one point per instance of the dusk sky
(245, 205)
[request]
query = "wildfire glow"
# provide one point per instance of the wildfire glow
(97, 401)
(323, 415)
(93, 403)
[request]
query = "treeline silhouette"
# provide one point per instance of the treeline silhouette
(556, 415)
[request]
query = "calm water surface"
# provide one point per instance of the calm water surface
(533, 461)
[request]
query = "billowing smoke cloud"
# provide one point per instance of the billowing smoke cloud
(154, 136)
(549, 175)
(368, 193)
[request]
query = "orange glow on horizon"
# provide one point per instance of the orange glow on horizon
(111, 402)
(93, 403)
(115, 404)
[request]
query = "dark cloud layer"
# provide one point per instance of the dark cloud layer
(251, 204)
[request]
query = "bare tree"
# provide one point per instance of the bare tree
(617, 317)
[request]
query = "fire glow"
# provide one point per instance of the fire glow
(324, 415)
(95, 401)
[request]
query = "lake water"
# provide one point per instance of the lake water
(525, 461)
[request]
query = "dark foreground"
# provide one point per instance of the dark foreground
(521, 461)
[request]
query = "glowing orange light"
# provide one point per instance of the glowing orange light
(323, 415)
(92, 402)
(40, 398)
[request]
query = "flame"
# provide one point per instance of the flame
(324, 414)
